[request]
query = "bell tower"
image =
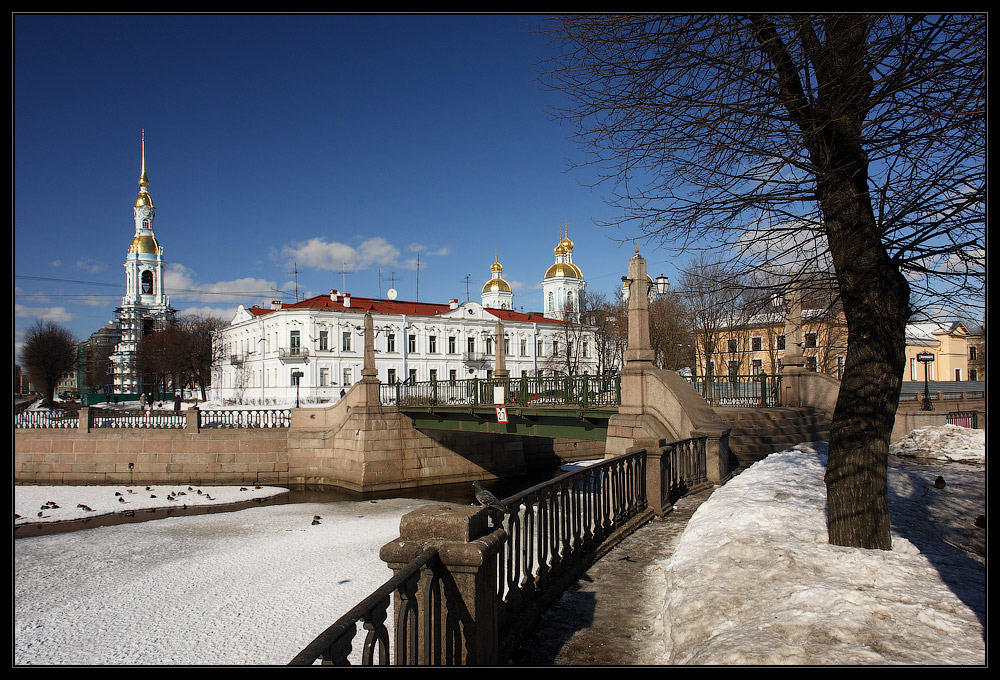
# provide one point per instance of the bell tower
(145, 307)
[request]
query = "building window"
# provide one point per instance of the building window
(810, 339)
(451, 344)
(413, 376)
(506, 346)
(345, 343)
(452, 376)
(734, 370)
(732, 345)
(972, 354)
(811, 364)
(433, 375)
(756, 344)
(348, 377)
(390, 342)
(470, 344)
(539, 347)
(524, 347)
(411, 343)
(780, 342)
(296, 376)
(973, 374)
(324, 377)
(323, 335)
(432, 344)
(390, 376)
(958, 374)
(586, 349)
(757, 366)
(294, 342)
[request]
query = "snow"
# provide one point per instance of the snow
(751, 581)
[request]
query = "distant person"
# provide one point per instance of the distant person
(142, 401)
(342, 393)
(177, 402)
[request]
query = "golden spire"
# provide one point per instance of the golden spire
(143, 180)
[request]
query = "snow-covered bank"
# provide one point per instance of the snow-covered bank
(753, 579)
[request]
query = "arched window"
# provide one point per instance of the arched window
(550, 303)
(147, 282)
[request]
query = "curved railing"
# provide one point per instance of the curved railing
(335, 645)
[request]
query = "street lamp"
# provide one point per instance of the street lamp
(926, 358)
(298, 378)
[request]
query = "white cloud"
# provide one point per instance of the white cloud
(318, 253)
(180, 285)
(53, 314)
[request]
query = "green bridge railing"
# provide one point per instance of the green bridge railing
(746, 391)
(585, 391)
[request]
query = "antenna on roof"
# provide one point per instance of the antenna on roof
(467, 278)
(295, 271)
(418, 277)
(344, 273)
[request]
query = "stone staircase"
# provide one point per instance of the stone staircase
(758, 432)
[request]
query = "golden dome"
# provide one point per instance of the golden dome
(144, 245)
(496, 267)
(564, 269)
(144, 200)
(496, 286)
(564, 246)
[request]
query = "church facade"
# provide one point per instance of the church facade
(145, 307)
(313, 349)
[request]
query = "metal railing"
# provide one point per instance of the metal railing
(105, 418)
(742, 391)
(249, 418)
(586, 391)
(553, 531)
(99, 418)
(56, 418)
(335, 645)
(964, 419)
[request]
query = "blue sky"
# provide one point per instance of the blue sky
(277, 144)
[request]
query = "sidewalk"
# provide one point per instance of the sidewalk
(608, 617)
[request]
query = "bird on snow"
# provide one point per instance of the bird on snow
(316, 517)
(121, 500)
(485, 497)
(939, 482)
(315, 522)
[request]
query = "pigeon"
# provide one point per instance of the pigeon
(121, 500)
(315, 522)
(152, 495)
(149, 488)
(488, 499)
(316, 517)
(939, 482)
(243, 488)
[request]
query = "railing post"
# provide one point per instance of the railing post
(462, 625)
(658, 480)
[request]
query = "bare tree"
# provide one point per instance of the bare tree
(846, 143)
(48, 353)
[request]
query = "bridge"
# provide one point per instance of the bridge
(577, 407)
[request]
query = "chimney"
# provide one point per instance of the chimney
(333, 296)
(347, 299)
(275, 304)
(453, 304)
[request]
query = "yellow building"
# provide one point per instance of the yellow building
(748, 349)
(759, 345)
(948, 342)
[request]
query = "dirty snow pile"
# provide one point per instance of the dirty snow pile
(754, 580)
(942, 442)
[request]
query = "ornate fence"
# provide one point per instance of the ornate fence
(105, 418)
(548, 536)
(587, 391)
(742, 391)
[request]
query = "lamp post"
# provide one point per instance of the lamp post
(298, 378)
(926, 358)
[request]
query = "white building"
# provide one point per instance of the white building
(563, 285)
(316, 346)
(145, 307)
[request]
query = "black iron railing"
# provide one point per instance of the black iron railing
(553, 531)
(55, 418)
(742, 391)
(587, 391)
(335, 645)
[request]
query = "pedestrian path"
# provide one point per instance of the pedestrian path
(611, 616)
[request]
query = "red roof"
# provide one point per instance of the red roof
(380, 306)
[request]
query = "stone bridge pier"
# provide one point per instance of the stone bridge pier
(659, 406)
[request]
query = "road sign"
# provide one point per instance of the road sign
(501, 414)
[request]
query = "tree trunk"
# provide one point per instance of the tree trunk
(876, 303)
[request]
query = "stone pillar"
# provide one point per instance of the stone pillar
(640, 348)
(465, 617)
(500, 371)
(369, 374)
(657, 488)
(792, 362)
